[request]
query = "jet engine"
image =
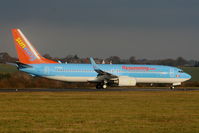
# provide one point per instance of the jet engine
(126, 81)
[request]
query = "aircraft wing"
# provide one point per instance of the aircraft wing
(101, 72)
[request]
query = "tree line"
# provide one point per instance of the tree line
(180, 61)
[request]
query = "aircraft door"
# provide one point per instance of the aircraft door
(171, 73)
(46, 70)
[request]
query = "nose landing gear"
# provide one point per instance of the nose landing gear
(172, 87)
(174, 84)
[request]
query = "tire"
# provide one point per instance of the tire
(104, 86)
(98, 86)
(172, 87)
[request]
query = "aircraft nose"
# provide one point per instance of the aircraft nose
(188, 76)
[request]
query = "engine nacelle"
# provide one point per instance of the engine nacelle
(126, 81)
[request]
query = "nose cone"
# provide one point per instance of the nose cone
(187, 76)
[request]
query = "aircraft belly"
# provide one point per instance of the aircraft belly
(160, 80)
(138, 80)
(72, 79)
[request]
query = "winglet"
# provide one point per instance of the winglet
(92, 60)
(93, 63)
(98, 70)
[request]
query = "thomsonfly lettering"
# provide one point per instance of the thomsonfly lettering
(26, 49)
(137, 68)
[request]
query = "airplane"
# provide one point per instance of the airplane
(104, 75)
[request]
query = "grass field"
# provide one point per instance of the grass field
(100, 112)
(7, 68)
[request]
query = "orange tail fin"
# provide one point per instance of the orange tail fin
(26, 52)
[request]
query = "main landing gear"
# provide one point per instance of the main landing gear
(101, 86)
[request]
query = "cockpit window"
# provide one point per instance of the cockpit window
(180, 71)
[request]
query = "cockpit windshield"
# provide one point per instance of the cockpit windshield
(180, 71)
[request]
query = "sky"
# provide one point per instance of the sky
(152, 29)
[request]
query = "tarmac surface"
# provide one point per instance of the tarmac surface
(95, 90)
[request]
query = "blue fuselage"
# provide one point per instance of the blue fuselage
(141, 72)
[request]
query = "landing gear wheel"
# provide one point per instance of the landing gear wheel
(172, 87)
(101, 86)
(104, 86)
(98, 86)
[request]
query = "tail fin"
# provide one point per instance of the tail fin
(26, 52)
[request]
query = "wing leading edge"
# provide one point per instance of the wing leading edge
(100, 71)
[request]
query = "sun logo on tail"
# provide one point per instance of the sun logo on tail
(26, 49)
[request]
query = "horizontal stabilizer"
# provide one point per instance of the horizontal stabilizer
(22, 65)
